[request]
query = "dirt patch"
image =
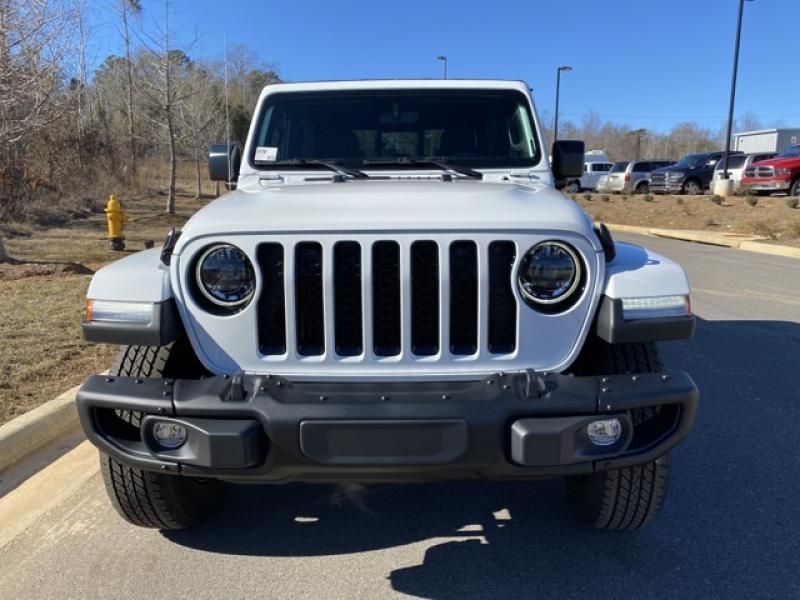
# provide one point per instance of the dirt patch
(772, 217)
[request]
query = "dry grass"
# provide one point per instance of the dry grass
(44, 352)
(771, 217)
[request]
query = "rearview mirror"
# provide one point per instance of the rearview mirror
(567, 160)
(224, 161)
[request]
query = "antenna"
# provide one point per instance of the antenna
(227, 108)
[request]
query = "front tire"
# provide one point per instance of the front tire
(627, 498)
(643, 188)
(145, 498)
(692, 187)
(794, 189)
(573, 187)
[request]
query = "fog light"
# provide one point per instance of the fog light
(605, 432)
(169, 435)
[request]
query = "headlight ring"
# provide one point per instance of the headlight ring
(551, 276)
(224, 277)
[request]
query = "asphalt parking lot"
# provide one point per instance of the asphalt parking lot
(730, 527)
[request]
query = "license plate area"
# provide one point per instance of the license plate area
(383, 442)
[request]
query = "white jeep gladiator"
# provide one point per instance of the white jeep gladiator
(393, 291)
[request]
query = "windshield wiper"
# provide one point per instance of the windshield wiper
(444, 165)
(343, 171)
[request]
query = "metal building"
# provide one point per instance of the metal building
(766, 140)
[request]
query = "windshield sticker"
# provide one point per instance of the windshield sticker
(266, 153)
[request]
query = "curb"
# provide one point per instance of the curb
(32, 430)
(45, 490)
(740, 241)
(775, 249)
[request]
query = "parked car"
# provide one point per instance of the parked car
(596, 164)
(373, 303)
(778, 174)
(616, 175)
(635, 178)
(690, 175)
(737, 164)
(602, 184)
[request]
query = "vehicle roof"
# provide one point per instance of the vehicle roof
(396, 84)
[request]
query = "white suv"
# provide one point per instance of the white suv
(394, 292)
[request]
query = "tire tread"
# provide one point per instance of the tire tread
(630, 497)
(145, 498)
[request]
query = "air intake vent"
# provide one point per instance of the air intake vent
(502, 304)
(271, 303)
(425, 298)
(308, 294)
(347, 298)
(463, 297)
(386, 298)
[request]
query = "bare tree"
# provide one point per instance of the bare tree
(165, 86)
(127, 9)
(198, 117)
(36, 44)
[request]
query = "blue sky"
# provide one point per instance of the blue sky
(647, 63)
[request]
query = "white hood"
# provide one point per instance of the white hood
(463, 205)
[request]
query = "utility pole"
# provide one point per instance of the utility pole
(639, 133)
(558, 94)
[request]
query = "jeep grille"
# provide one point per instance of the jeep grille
(365, 284)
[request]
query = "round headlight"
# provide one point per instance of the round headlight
(225, 276)
(549, 273)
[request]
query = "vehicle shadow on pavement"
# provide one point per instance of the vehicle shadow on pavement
(729, 527)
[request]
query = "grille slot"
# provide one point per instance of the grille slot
(309, 317)
(425, 298)
(502, 303)
(463, 297)
(386, 298)
(347, 298)
(272, 303)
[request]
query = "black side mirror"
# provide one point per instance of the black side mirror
(567, 160)
(224, 161)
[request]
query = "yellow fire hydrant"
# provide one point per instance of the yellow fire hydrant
(116, 218)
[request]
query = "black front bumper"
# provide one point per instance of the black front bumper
(506, 426)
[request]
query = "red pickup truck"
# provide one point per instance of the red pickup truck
(779, 174)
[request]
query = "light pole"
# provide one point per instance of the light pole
(443, 58)
(558, 93)
(733, 90)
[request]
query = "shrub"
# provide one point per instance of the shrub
(711, 223)
(680, 201)
(766, 229)
(794, 229)
(647, 197)
(717, 199)
(751, 200)
(605, 198)
(793, 202)
(587, 197)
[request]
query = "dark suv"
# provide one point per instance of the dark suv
(690, 175)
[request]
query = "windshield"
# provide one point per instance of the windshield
(691, 160)
(734, 162)
(478, 128)
(790, 152)
(619, 167)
